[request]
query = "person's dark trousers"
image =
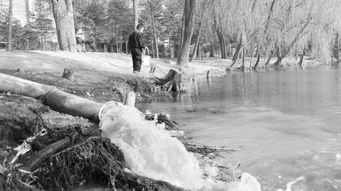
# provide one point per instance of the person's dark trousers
(136, 54)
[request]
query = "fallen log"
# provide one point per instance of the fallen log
(58, 100)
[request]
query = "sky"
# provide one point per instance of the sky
(18, 9)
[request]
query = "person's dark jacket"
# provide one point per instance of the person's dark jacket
(135, 40)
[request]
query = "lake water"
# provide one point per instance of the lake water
(287, 124)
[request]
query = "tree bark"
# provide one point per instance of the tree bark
(155, 35)
(269, 59)
(212, 50)
(336, 48)
(63, 16)
(237, 53)
(196, 46)
(257, 62)
(10, 20)
(222, 44)
(300, 62)
(136, 15)
(219, 30)
(189, 11)
(117, 39)
(27, 9)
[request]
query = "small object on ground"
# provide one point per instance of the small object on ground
(2, 169)
(68, 74)
(130, 99)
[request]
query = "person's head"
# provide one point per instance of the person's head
(140, 27)
(91, 35)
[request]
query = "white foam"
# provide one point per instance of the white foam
(148, 150)
(246, 183)
(290, 184)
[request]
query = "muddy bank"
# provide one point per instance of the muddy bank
(42, 149)
(45, 150)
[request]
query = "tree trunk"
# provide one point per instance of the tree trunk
(336, 48)
(10, 19)
(222, 44)
(237, 53)
(181, 39)
(27, 9)
(300, 62)
(212, 50)
(219, 30)
(63, 16)
(189, 11)
(196, 46)
(153, 48)
(136, 15)
(269, 59)
(257, 62)
(243, 58)
(116, 35)
(155, 36)
(56, 99)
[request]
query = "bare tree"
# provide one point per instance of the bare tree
(63, 16)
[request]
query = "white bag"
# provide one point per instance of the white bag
(146, 58)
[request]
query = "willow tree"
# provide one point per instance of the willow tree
(63, 16)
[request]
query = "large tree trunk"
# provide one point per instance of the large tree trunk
(155, 36)
(63, 16)
(189, 11)
(218, 23)
(212, 50)
(222, 44)
(10, 19)
(257, 61)
(27, 9)
(336, 48)
(196, 46)
(136, 15)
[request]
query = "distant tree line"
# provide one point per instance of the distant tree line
(227, 29)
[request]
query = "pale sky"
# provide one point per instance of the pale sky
(19, 11)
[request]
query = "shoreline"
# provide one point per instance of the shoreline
(97, 84)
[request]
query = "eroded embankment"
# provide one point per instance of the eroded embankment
(46, 150)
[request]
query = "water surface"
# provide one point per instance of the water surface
(286, 123)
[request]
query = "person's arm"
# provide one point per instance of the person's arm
(140, 41)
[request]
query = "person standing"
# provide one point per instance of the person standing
(136, 47)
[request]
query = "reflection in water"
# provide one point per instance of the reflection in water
(287, 124)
